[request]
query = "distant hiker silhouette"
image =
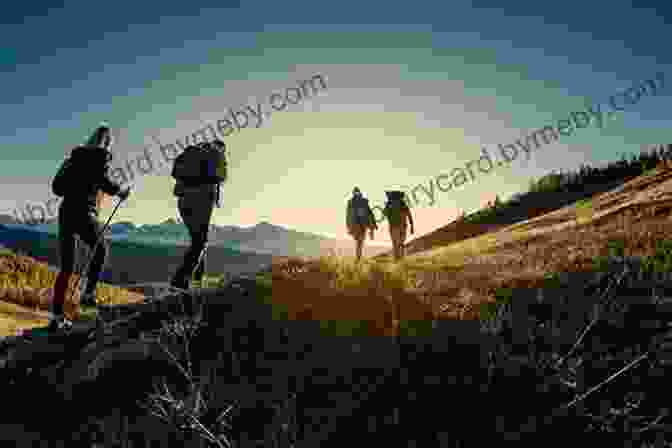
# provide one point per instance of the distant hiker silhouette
(398, 217)
(199, 172)
(80, 180)
(359, 219)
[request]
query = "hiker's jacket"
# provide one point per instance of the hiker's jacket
(91, 180)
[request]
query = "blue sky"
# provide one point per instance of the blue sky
(414, 89)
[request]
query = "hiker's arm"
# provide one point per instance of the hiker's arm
(106, 184)
(348, 216)
(372, 219)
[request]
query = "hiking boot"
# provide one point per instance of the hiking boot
(59, 323)
(88, 299)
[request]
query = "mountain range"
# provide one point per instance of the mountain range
(263, 238)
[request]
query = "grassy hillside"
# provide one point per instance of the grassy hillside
(551, 192)
(26, 292)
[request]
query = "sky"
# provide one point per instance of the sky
(413, 91)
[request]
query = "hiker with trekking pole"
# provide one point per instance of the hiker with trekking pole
(359, 219)
(79, 181)
(199, 172)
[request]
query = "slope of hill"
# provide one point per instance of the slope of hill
(485, 220)
(636, 204)
(26, 292)
(551, 192)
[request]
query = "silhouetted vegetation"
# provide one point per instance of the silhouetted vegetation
(558, 189)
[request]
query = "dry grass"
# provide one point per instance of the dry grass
(14, 318)
(29, 284)
(337, 289)
(379, 293)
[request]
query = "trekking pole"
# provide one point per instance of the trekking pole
(93, 251)
(200, 265)
(205, 265)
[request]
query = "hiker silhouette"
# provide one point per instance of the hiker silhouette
(359, 219)
(198, 172)
(398, 216)
(80, 181)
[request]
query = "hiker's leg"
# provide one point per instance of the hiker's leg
(195, 213)
(354, 238)
(202, 239)
(359, 233)
(402, 241)
(89, 232)
(67, 250)
(360, 244)
(394, 243)
(394, 235)
(66, 244)
(180, 278)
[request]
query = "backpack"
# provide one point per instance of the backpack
(394, 208)
(359, 209)
(77, 168)
(200, 165)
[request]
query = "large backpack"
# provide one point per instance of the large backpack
(360, 211)
(200, 165)
(395, 207)
(77, 168)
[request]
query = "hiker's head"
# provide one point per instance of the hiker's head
(356, 192)
(101, 137)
